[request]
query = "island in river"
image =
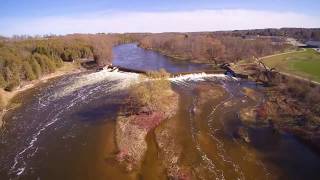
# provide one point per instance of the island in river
(77, 127)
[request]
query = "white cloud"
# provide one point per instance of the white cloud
(175, 21)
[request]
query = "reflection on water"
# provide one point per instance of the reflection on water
(131, 56)
(64, 129)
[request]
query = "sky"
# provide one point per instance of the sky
(35, 17)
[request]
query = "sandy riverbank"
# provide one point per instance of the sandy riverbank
(68, 68)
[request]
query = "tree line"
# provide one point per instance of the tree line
(301, 34)
(208, 47)
(30, 59)
(27, 58)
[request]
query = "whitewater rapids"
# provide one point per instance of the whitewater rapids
(67, 94)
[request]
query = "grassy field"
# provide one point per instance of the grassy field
(303, 63)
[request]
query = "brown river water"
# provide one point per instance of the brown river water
(64, 129)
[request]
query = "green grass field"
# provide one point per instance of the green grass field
(303, 63)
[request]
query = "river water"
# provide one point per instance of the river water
(131, 56)
(64, 129)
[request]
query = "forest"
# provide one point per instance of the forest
(301, 34)
(208, 47)
(30, 59)
(25, 58)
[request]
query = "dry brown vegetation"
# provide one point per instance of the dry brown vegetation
(308, 94)
(292, 106)
(100, 46)
(210, 47)
(149, 94)
(150, 102)
(2, 102)
(185, 46)
(161, 74)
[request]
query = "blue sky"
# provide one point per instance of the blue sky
(90, 16)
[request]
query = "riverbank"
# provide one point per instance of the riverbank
(290, 104)
(283, 113)
(303, 64)
(179, 58)
(135, 123)
(67, 68)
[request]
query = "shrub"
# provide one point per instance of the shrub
(35, 67)
(50, 65)
(28, 71)
(313, 96)
(316, 109)
(12, 84)
(102, 53)
(29, 59)
(2, 81)
(295, 89)
(47, 65)
(152, 94)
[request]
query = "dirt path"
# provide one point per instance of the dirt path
(264, 57)
(290, 74)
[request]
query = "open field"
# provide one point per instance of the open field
(301, 63)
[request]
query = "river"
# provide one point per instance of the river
(64, 129)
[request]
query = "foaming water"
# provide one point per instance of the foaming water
(55, 100)
(214, 136)
(201, 77)
(190, 80)
(51, 105)
(125, 80)
(64, 129)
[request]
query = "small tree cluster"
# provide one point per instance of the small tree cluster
(29, 59)
(102, 52)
